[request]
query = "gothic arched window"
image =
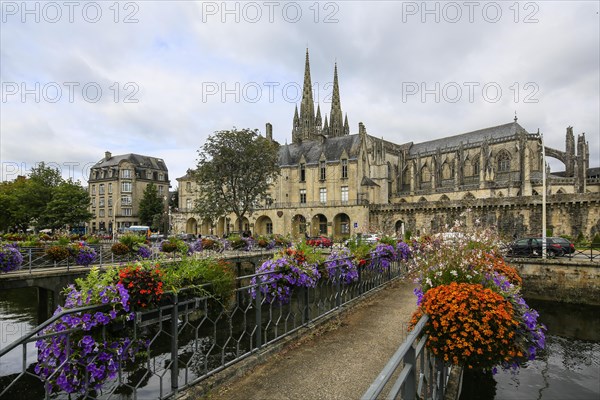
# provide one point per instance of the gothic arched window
(503, 162)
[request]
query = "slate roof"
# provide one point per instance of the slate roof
(332, 148)
(495, 132)
(136, 159)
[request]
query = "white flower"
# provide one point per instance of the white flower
(454, 273)
(428, 281)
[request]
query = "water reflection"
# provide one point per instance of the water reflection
(18, 316)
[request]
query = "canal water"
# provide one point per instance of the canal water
(568, 369)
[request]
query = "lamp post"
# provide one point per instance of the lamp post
(543, 198)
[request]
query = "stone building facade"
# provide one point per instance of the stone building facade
(337, 184)
(116, 186)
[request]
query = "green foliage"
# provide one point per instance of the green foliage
(119, 249)
(151, 206)
(69, 206)
(57, 253)
(92, 240)
(192, 273)
(313, 254)
(95, 282)
(173, 245)
(389, 240)
(407, 236)
(43, 200)
(236, 242)
(63, 240)
(132, 240)
(359, 248)
(233, 171)
(596, 241)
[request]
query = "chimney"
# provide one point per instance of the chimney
(361, 128)
(107, 155)
(269, 132)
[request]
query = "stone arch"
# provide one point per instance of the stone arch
(444, 198)
(503, 161)
(341, 225)
(191, 226)
(468, 196)
(560, 191)
(207, 227)
(446, 170)
(298, 225)
(245, 225)
(422, 199)
(400, 228)
(222, 226)
(318, 225)
(425, 174)
(263, 226)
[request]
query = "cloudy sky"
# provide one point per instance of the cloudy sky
(157, 77)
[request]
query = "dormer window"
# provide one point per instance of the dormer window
(344, 168)
(322, 170)
(302, 172)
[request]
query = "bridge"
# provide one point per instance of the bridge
(332, 331)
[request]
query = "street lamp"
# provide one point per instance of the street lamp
(543, 198)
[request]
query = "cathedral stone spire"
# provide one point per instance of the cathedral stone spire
(336, 120)
(325, 127)
(346, 126)
(307, 108)
(318, 120)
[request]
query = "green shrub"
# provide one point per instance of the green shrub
(119, 249)
(596, 241)
(389, 240)
(63, 240)
(57, 253)
(132, 240)
(407, 236)
(191, 273)
(236, 242)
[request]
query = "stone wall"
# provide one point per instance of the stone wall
(564, 280)
(567, 214)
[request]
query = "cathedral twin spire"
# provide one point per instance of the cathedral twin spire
(307, 126)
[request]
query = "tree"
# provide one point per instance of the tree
(69, 205)
(234, 172)
(151, 205)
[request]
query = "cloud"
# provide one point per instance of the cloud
(194, 70)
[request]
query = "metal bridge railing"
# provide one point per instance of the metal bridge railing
(412, 372)
(193, 338)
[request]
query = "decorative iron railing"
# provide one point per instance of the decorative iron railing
(418, 374)
(192, 338)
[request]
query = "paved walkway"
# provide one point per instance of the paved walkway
(338, 361)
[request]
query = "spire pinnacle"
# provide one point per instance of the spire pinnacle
(307, 107)
(336, 119)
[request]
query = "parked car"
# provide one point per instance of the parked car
(532, 247)
(186, 237)
(155, 237)
(370, 238)
(567, 246)
(319, 241)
